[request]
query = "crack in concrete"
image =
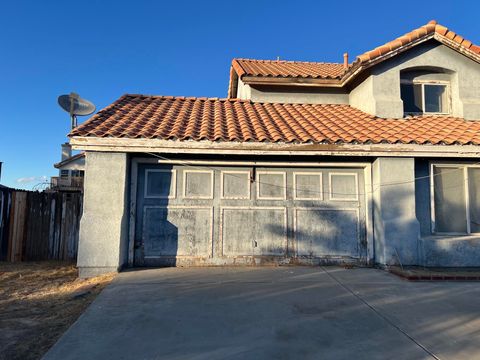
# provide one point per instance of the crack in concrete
(383, 317)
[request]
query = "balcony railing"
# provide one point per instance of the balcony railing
(73, 183)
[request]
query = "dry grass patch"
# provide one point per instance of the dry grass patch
(38, 302)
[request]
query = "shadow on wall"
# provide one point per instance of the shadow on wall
(329, 231)
(155, 235)
(323, 232)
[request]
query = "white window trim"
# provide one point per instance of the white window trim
(330, 192)
(320, 194)
(184, 190)
(431, 82)
(465, 168)
(173, 181)
(222, 193)
(284, 197)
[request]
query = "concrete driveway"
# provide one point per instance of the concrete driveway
(275, 313)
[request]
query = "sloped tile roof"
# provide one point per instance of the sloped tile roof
(432, 28)
(180, 118)
(335, 72)
(293, 69)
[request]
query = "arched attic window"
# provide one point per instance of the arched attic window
(426, 90)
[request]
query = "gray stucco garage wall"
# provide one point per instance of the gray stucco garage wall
(396, 229)
(104, 224)
(379, 94)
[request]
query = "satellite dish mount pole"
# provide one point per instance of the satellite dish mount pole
(73, 99)
(75, 105)
(73, 121)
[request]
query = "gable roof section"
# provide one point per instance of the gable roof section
(293, 69)
(69, 160)
(425, 32)
(336, 74)
(233, 120)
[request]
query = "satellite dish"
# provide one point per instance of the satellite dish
(75, 105)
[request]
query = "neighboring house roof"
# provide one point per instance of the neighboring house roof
(69, 160)
(233, 120)
(335, 74)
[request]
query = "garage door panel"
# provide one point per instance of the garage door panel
(254, 231)
(198, 184)
(177, 231)
(331, 232)
(213, 216)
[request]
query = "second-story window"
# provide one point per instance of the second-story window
(425, 97)
(78, 173)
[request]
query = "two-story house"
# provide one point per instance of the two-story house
(71, 171)
(370, 161)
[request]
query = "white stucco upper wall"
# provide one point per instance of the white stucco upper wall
(243, 90)
(379, 94)
(298, 96)
(288, 94)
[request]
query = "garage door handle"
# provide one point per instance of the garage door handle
(254, 243)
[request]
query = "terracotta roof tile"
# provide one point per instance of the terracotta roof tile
(170, 118)
(288, 69)
(428, 30)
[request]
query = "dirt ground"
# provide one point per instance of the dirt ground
(38, 302)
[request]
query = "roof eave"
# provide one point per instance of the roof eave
(365, 64)
(261, 148)
(69, 160)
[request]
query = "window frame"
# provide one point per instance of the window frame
(64, 174)
(212, 185)
(445, 83)
(270, 172)
(320, 195)
(464, 167)
(222, 185)
(331, 194)
(173, 180)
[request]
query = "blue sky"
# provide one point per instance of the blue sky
(103, 49)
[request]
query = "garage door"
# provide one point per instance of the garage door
(193, 215)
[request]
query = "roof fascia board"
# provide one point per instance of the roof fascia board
(457, 47)
(265, 80)
(208, 147)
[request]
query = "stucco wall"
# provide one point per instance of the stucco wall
(361, 96)
(379, 94)
(243, 90)
(104, 224)
(396, 229)
(289, 94)
(299, 95)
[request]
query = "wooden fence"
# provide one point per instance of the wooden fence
(39, 225)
